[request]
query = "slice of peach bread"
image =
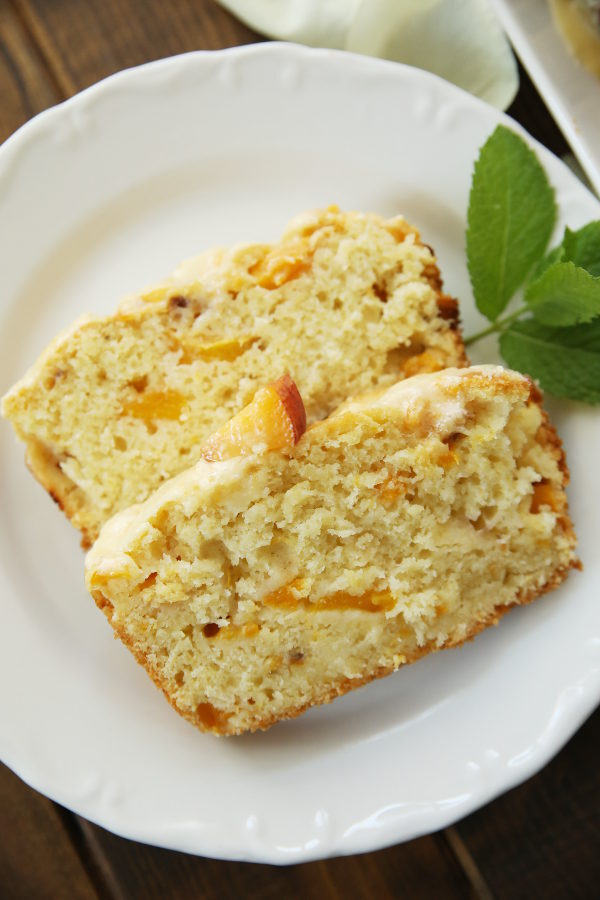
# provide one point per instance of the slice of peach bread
(344, 302)
(255, 585)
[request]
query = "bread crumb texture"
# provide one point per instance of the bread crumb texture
(256, 587)
(344, 302)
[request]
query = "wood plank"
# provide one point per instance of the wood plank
(542, 839)
(37, 858)
(419, 869)
(84, 42)
(25, 88)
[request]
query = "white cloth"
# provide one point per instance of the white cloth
(461, 40)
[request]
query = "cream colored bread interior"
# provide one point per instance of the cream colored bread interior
(117, 405)
(255, 587)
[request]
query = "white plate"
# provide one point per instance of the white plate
(106, 193)
(572, 94)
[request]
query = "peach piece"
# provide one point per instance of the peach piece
(155, 405)
(275, 419)
(545, 495)
(428, 361)
(282, 265)
(395, 486)
(221, 351)
(371, 601)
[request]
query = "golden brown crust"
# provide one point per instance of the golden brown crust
(548, 438)
(463, 360)
(448, 307)
(45, 468)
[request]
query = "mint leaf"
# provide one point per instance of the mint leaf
(583, 247)
(564, 294)
(510, 219)
(566, 361)
(558, 254)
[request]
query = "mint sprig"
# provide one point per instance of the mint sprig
(555, 335)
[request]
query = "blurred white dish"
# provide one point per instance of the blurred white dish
(459, 40)
(108, 192)
(571, 93)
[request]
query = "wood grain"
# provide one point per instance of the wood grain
(420, 869)
(84, 42)
(37, 859)
(25, 86)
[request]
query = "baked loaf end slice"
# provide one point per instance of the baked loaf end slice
(256, 586)
(344, 302)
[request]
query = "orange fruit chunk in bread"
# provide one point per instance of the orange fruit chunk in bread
(273, 420)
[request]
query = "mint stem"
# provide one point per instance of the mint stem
(498, 325)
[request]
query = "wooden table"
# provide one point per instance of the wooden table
(541, 840)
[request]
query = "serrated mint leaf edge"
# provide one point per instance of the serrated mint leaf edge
(549, 311)
(557, 254)
(570, 240)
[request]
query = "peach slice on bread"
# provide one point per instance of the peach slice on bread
(275, 419)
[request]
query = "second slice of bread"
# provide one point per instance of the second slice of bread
(256, 586)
